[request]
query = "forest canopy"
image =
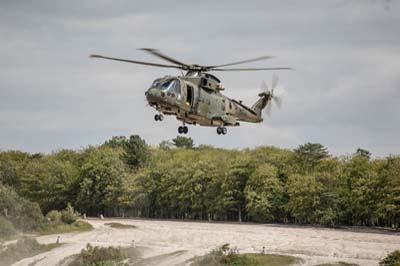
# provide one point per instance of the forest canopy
(176, 180)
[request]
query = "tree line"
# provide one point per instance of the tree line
(126, 177)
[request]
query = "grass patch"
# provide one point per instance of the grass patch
(59, 227)
(106, 256)
(227, 256)
(24, 248)
(121, 226)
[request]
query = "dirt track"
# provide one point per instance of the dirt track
(173, 243)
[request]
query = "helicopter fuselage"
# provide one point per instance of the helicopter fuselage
(196, 99)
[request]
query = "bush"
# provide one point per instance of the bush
(6, 228)
(30, 216)
(99, 256)
(392, 259)
(68, 215)
(25, 215)
(54, 216)
(59, 228)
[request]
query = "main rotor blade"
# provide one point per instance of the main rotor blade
(135, 62)
(251, 69)
(163, 56)
(241, 62)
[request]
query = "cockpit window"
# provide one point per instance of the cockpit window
(172, 85)
(156, 83)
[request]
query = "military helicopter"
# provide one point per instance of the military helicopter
(195, 98)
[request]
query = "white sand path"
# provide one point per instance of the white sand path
(188, 239)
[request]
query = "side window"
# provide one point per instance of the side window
(177, 87)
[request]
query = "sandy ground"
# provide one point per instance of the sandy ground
(174, 242)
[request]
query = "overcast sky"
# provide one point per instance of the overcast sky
(344, 93)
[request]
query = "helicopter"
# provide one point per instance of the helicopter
(195, 98)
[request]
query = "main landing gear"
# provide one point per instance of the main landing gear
(159, 117)
(222, 130)
(183, 130)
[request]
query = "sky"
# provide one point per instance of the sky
(344, 92)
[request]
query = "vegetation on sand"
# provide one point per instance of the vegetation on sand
(106, 256)
(228, 256)
(23, 248)
(392, 259)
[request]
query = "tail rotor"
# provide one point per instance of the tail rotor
(269, 94)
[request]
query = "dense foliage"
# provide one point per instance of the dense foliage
(126, 177)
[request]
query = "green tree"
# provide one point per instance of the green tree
(136, 152)
(304, 197)
(234, 184)
(100, 182)
(388, 192)
(264, 194)
(49, 182)
(358, 200)
(183, 142)
(116, 142)
(309, 155)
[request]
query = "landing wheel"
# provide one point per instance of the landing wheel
(158, 117)
(185, 130)
(224, 130)
(180, 130)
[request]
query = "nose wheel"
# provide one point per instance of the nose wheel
(183, 130)
(222, 130)
(159, 117)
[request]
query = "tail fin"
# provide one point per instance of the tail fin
(261, 103)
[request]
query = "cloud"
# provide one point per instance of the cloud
(344, 92)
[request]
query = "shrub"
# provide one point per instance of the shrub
(54, 216)
(99, 256)
(392, 259)
(30, 216)
(25, 215)
(6, 228)
(68, 215)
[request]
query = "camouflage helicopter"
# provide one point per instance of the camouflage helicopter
(196, 99)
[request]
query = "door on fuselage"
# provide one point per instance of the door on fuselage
(189, 96)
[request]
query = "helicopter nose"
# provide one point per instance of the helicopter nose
(153, 94)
